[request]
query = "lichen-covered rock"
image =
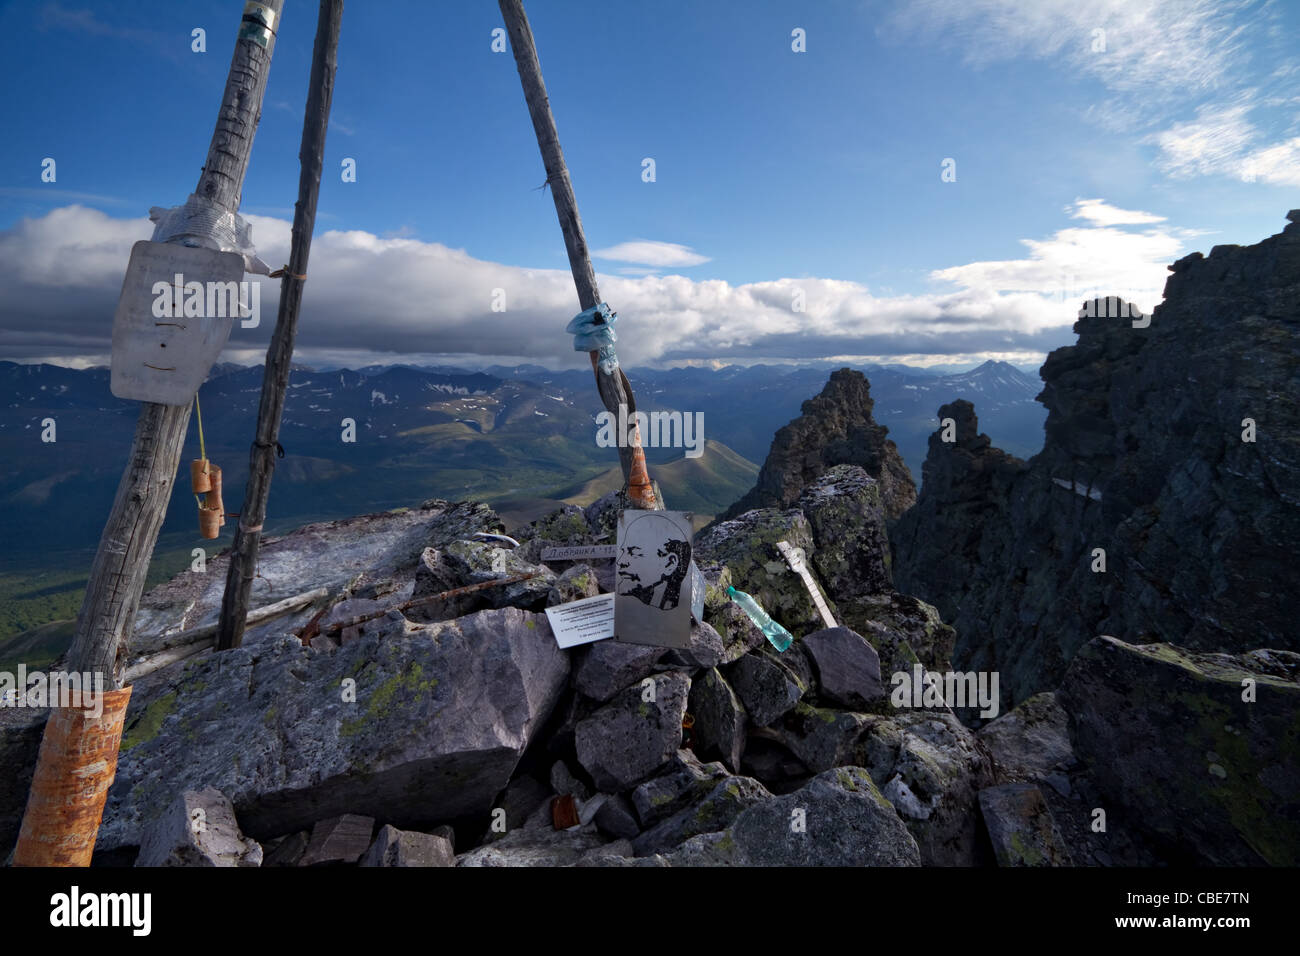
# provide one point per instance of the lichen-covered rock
(1021, 827)
(198, 829)
(844, 509)
(903, 629)
(606, 667)
(1031, 742)
(1168, 736)
(573, 584)
(747, 546)
(823, 738)
(942, 768)
(630, 738)
(839, 818)
(536, 846)
(835, 428)
(394, 847)
(847, 667)
(716, 809)
(766, 686)
(719, 728)
(339, 840)
(410, 724)
(682, 782)
(380, 548)
(738, 633)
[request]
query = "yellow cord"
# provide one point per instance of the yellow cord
(203, 452)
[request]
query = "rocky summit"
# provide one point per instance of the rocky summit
(1165, 504)
(836, 428)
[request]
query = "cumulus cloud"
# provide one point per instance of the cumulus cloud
(647, 252)
(399, 299)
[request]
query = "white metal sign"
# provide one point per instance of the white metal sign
(173, 319)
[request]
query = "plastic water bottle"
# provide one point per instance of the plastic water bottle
(779, 636)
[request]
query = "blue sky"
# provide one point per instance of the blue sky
(1079, 168)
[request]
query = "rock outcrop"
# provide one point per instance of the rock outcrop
(836, 428)
(1173, 448)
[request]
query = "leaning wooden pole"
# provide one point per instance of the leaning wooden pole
(275, 377)
(78, 755)
(615, 389)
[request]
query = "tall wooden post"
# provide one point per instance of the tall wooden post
(615, 389)
(121, 564)
(275, 377)
(78, 755)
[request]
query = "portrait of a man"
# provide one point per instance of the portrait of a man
(653, 578)
(654, 574)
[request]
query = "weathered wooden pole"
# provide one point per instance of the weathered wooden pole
(275, 377)
(78, 757)
(615, 389)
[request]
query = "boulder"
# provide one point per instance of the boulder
(683, 782)
(766, 687)
(1031, 742)
(198, 829)
(414, 725)
(341, 839)
(536, 846)
(747, 546)
(628, 739)
(716, 809)
(847, 667)
(719, 728)
(839, 818)
(606, 667)
(847, 517)
(1169, 738)
(394, 847)
(1021, 827)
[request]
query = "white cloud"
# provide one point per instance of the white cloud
(1169, 47)
(647, 252)
(1161, 58)
(1101, 213)
(389, 299)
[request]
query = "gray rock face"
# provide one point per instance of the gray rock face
(198, 829)
(630, 738)
(341, 839)
(350, 553)
(765, 686)
(394, 847)
(20, 742)
(719, 728)
(1021, 827)
(617, 819)
(537, 846)
(847, 516)
(1031, 742)
(604, 668)
(839, 818)
(747, 546)
(1198, 525)
(836, 428)
(1189, 741)
(682, 783)
(848, 668)
(440, 717)
(728, 797)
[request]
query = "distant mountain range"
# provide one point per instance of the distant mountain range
(520, 438)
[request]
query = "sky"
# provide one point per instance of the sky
(937, 181)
